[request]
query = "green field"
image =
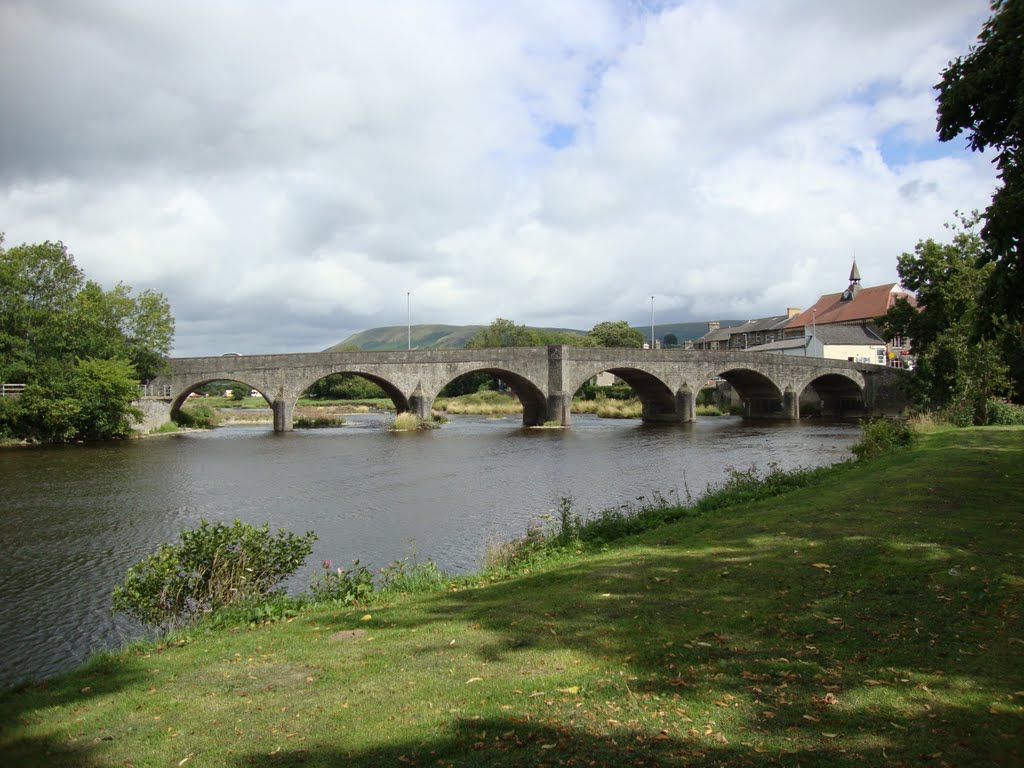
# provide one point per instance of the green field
(872, 619)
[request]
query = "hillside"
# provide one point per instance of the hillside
(455, 336)
(423, 337)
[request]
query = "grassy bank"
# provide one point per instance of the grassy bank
(872, 619)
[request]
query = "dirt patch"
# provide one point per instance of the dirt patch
(348, 634)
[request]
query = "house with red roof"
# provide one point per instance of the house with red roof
(855, 310)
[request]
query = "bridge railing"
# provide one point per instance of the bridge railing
(11, 390)
(154, 390)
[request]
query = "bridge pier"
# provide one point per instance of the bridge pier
(283, 411)
(686, 404)
(559, 409)
(420, 405)
(791, 405)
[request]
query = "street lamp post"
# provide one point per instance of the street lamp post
(408, 316)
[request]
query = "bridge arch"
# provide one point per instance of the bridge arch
(533, 398)
(762, 396)
(183, 395)
(658, 399)
(841, 392)
(392, 390)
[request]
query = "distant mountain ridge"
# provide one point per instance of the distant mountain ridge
(393, 337)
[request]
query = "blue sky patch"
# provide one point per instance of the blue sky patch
(560, 135)
(898, 149)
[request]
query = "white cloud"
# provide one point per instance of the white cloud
(286, 172)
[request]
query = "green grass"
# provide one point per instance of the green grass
(872, 618)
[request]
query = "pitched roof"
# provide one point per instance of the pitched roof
(865, 305)
(797, 343)
(847, 334)
(719, 334)
(760, 324)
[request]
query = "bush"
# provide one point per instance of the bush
(881, 436)
(211, 566)
(200, 416)
(1002, 412)
(620, 390)
(344, 586)
(409, 576)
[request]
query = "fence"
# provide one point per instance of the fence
(11, 390)
(154, 390)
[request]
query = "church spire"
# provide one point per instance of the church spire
(854, 287)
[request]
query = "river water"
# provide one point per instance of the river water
(76, 517)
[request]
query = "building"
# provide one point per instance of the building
(752, 333)
(855, 343)
(717, 337)
(764, 330)
(857, 310)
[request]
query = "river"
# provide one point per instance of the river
(76, 517)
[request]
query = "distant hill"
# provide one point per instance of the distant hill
(456, 336)
(423, 337)
(683, 331)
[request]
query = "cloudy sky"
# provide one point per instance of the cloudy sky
(285, 172)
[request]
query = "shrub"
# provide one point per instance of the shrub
(211, 566)
(881, 436)
(200, 416)
(1002, 412)
(341, 585)
(409, 576)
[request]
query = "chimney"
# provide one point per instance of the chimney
(714, 325)
(792, 312)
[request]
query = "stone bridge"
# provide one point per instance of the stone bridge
(545, 378)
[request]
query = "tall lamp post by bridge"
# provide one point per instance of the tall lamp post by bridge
(408, 316)
(652, 322)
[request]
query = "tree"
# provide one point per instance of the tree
(983, 93)
(616, 333)
(345, 386)
(670, 340)
(955, 368)
(91, 401)
(565, 338)
(503, 333)
(38, 283)
(80, 349)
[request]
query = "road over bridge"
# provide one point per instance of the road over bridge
(545, 379)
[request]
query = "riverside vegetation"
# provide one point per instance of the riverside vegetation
(863, 614)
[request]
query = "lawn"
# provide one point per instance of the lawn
(872, 619)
